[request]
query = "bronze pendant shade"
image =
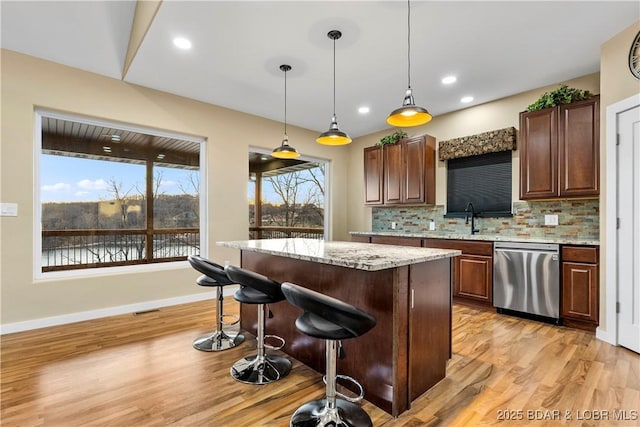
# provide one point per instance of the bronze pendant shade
(409, 114)
(285, 151)
(334, 136)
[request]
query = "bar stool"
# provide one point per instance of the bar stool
(260, 290)
(332, 320)
(214, 276)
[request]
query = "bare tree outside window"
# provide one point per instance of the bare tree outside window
(292, 202)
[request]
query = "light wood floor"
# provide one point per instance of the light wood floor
(142, 371)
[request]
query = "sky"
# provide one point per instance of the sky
(72, 179)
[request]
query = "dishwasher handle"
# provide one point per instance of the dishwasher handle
(555, 255)
(527, 247)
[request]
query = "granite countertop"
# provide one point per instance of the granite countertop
(361, 256)
(482, 237)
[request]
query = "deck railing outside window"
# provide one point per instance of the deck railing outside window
(74, 249)
(285, 232)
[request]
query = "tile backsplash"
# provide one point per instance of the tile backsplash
(576, 219)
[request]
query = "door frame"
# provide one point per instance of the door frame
(610, 335)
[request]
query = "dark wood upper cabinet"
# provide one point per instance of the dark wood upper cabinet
(393, 173)
(538, 154)
(373, 176)
(579, 148)
(403, 173)
(560, 151)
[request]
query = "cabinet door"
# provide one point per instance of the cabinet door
(429, 304)
(419, 178)
(539, 154)
(580, 291)
(579, 148)
(393, 173)
(373, 176)
(473, 277)
(414, 172)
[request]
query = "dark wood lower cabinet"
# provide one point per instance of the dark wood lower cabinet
(580, 290)
(473, 277)
(472, 271)
(393, 240)
(429, 304)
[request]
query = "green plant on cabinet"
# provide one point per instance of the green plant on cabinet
(563, 95)
(392, 139)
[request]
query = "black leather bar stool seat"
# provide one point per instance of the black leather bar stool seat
(214, 276)
(260, 368)
(333, 320)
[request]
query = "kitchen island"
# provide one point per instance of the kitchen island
(407, 290)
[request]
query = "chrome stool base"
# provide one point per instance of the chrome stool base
(317, 414)
(218, 341)
(260, 370)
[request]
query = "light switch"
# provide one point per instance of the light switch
(551, 220)
(8, 209)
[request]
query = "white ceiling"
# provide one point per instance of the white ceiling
(495, 49)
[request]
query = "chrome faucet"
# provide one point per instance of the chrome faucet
(474, 230)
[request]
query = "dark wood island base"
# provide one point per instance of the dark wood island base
(403, 356)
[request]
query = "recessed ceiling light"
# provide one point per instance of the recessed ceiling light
(448, 80)
(363, 110)
(182, 43)
(466, 99)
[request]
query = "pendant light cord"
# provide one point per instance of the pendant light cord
(334, 76)
(285, 102)
(409, 43)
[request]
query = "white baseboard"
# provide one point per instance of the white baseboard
(64, 319)
(606, 336)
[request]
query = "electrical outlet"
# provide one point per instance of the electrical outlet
(393, 225)
(551, 220)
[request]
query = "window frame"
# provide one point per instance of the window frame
(327, 186)
(38, 274)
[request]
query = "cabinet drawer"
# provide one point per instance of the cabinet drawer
(580, 254)
(466, 246)
(400, 241)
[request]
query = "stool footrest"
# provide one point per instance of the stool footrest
(274, 347)
(235, 317)
(351, 380)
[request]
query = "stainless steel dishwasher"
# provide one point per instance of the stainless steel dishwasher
(526, 278)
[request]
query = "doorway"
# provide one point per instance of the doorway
(623, 224)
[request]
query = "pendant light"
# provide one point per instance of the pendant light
(285, 151)
(409, 114)
(334, 136)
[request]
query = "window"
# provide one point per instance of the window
(483, 180)
(286, 197)
(114, 196)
